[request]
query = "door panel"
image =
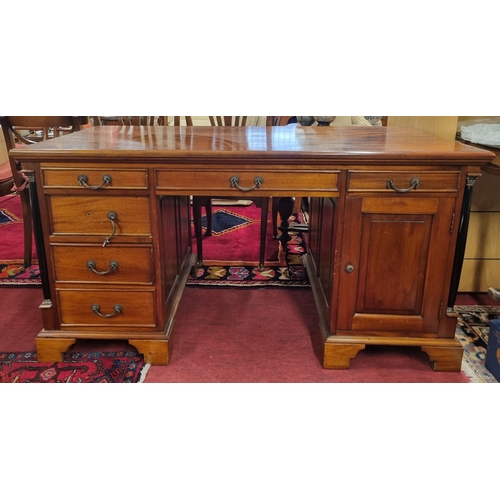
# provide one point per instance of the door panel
(411, 237)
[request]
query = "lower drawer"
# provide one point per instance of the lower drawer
(107, 308)
(98, 264)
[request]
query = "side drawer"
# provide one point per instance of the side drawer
(435, 182)
(274, 183)
(113, 264)
(137, 308)
(94, 178)
(90, 215)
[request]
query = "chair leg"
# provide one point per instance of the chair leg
(274, 211)
(208, 213)
(197, 229)
(263, 231)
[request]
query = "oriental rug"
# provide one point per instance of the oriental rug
(230, 255)
(77, 367)
(472, 332)
(13, 273)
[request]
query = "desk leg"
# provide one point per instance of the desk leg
(46, 306)
(38, 234)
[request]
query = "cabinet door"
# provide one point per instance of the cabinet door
(396, 251)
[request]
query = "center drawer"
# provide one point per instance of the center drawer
(96, 264)
(93, 215)
(217, 182)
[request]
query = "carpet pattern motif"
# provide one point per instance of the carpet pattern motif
(77, 367)
(292, 273)
(225, 221)
(7, 217)
(13, 273)
(472, 332)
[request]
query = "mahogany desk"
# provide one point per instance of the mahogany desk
(114, 237)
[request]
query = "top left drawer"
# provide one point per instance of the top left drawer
(94, 179)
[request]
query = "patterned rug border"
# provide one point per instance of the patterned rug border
(288, 272)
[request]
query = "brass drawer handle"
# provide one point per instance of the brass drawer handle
(113, 266)
(257, 182)
(83, 179)
(117, 309)
(111, 216)
(414, 184)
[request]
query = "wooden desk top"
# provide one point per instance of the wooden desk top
(317, 145)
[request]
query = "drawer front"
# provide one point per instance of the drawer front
(445, 182)
(217, 182)
(94, 179)
(137, 308)
(97, 264)
(92, 215)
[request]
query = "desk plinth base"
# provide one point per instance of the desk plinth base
(51, 346)
(445, 354)
(51, 350)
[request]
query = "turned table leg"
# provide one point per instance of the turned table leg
(285, 210)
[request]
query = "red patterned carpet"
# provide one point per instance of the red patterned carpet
(77, 367)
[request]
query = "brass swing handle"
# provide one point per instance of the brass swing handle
(83, 179)
(414, 184)
(111, 216)
(113, 266)
(234, 180)
(117, 309)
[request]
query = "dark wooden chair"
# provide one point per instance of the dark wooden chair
(21, 130)
(142, 120)
(6, 179)
(205, 201)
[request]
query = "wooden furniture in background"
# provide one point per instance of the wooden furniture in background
(6, 178)
(142, 120)
(481, 267)
(442, 126)
(384, 205)
(276, 121)
(14, 130)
